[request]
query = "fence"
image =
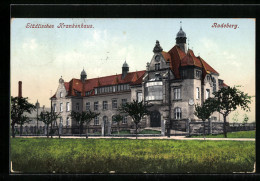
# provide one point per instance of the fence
(180, 127)
(68, 130)
(185, 127)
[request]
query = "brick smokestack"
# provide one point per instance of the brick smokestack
(20, 89)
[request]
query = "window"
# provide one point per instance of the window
(77, 106)
(88, 93)
(157, 66)
(96, 91)
(61, 94)
(96, 120)
(67, 106)
(105, 119)
(213, 118)
(67, 121)
(95, 106)
(54, 107)
(154, 90)
(77, 93)
(198, 73)
(177, 113)
(114, 88)
(184, 74)
(139, 96)
(207, 93)
(214, 84)
(124, 101)
(177, 93)
(61, 107)
(113, 122)
(124, 121)
(114, 104)
(105, 105)
(61, 121)
(87, 106)
(208, 78)
(197, 92)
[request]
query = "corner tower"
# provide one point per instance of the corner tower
(125, 70)
(181, 40)
(83, 75)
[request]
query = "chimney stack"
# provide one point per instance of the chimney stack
(20, 89)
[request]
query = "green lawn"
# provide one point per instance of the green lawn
(145, 131)
(239, 134)
(42, 155)
(122, 132)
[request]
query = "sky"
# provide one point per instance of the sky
(40, 56)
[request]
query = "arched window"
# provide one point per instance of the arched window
(177, 113)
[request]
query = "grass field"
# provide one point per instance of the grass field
(239, 134)
(42, 155)
(141, 132)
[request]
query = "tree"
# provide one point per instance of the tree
(24, 119)
(229, 99)
(83, 117)
(117, 118)
(204, 111)
(45, 117)
(77, 116)
(54, 116)
(87, 117)
(19, 106)
(136, 110)
(48, 118)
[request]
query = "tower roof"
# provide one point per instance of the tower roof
(181, 33)
(83, 72)
(125, 64)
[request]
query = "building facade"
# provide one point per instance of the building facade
(173, 82)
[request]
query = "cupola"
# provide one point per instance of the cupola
(125, 70)
(181, 39)
(83, 75)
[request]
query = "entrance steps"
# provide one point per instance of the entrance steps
(154, 128)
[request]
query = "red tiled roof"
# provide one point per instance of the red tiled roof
(138, 81)
(207, 66)
(66, 84)
(166, 56)
(176, 55)
(179, 58)
(90, 84)
(191, 59)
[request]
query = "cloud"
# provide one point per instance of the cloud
(30, 44)
(231, 59)
(208, 44)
